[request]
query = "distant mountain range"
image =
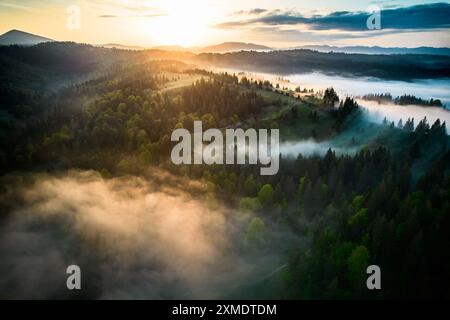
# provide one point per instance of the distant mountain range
(379, 50)
(176, 48)
(389, 66)
(219, 48)
(241, 46)
(21, 38)
(234, 46)
(121, 46)
(27, 39)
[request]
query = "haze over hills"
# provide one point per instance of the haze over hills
(242, 46)
(235, 46)
(21, 38)
(226, 47)
(18, 37)
(392, 67)
(69, 60)
(218, 48)
(177, 48)
(121, 46)
(378, 50)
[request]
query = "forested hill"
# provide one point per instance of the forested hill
(43, 62)
(396, 67)
(26, 73)
(325, 218)
(47, 63)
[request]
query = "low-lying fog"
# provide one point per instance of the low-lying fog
(355, 86)
(376, 112)
(359, 86)
(311, 147)
(131, 238)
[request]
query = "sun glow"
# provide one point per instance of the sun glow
(183, 23)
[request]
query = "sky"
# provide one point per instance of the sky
(280, 24)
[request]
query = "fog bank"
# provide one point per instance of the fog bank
(130, 238)
(376, 112)
(310, 147)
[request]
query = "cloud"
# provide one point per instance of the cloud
(126, 8)
(257, 11)
(133, 16)
(32, 7)
(275, 33)
(254, 11)
(128, 5)
(153, 15)
(425, 16)
(108, 16)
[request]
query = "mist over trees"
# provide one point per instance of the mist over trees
(403, 100)
(394, 67)
(325, 218)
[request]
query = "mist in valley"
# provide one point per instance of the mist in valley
(360, 133)
(353, 86)
(311, 147)
(359, 86)
(377, 112)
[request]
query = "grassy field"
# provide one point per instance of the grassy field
(278, 115)
(184, 81)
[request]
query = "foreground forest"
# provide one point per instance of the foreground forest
(322, 219)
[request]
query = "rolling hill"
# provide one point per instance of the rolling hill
(380, 50)
(218, 48)
(394, 67)
(234, 46)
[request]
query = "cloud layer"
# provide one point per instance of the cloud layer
(425, 16)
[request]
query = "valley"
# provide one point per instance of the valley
(87, 174)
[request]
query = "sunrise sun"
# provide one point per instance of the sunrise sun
(181, 23)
